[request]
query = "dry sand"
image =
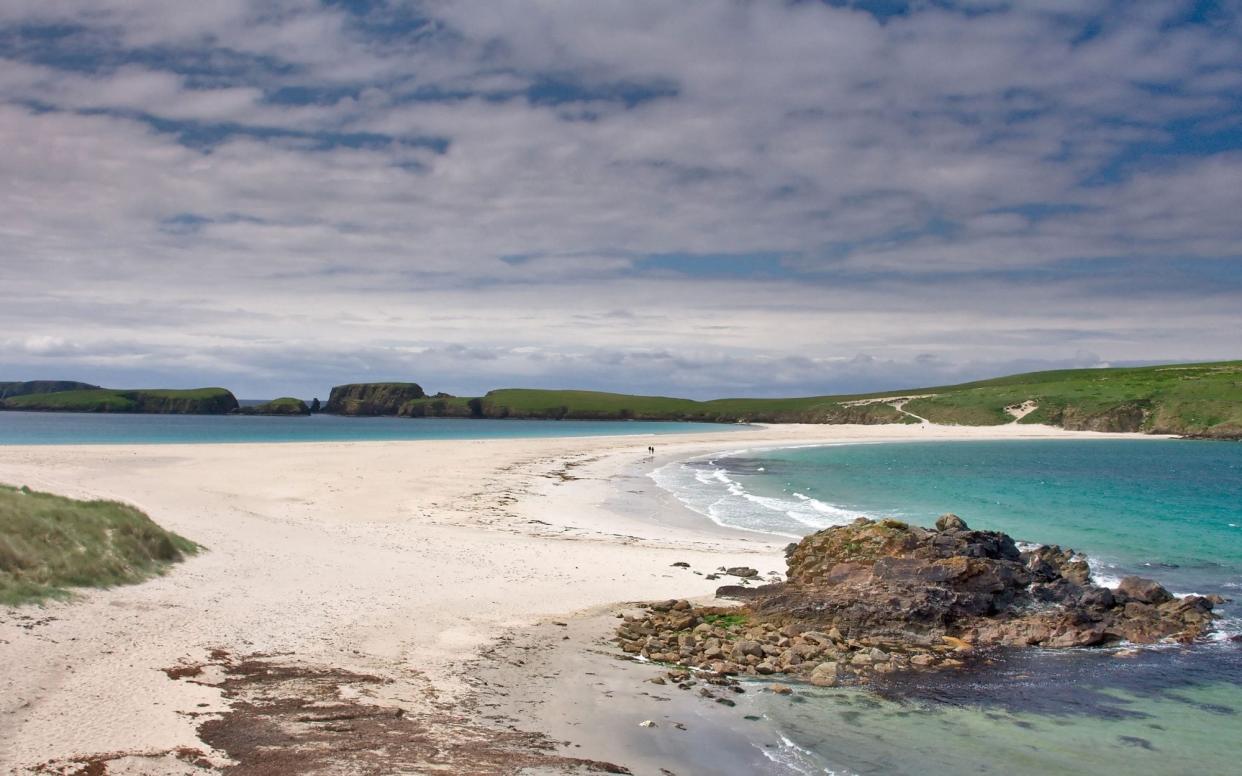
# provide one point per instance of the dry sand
(398, 560)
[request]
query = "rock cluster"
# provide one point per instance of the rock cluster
(723, 642)
(879, 596)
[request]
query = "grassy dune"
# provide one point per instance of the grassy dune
(49, 544)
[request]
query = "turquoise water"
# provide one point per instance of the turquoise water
(68, 428)
(1166, 509)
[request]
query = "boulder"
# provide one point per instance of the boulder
(951, 522)
(1145, 591)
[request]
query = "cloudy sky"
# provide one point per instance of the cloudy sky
(698, 198)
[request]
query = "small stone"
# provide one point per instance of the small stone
(681, 564)
(725, 702)
(657, 680)
(646, 723)
(780, 689)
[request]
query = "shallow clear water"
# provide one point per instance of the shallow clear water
(1170, 510)
(70, 428)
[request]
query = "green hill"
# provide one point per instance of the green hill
(1189, 399)
(199, 401)
(49, 544)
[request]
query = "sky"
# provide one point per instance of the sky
(700, 198)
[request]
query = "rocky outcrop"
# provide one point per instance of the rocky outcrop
(876, 596)
(372, 398)
(1127, 417)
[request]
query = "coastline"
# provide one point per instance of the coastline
(406, 560)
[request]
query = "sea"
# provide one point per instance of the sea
(75, 428)
(1170, 510)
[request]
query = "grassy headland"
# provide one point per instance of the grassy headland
(1190, 399)
(49, 544)
(198, 401)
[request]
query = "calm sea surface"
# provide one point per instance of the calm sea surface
(1166, 509)
(70, 428)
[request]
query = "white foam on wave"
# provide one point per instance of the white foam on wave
(707, 488)
(1103, 573)
(795, 759)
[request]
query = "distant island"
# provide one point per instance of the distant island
(285, 405)
(62, 396)
(1202, 400)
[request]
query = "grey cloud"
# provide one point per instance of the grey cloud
(890, 167)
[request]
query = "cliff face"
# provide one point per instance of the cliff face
(372, 398)
(1129, 417)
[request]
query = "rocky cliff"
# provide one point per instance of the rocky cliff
(880, 596)
(372, 398)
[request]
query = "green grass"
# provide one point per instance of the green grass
(50, 544)
(725, 620)
(103, 399)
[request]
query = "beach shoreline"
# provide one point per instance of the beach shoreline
(406, 560)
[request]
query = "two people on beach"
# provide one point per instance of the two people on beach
(650, 449)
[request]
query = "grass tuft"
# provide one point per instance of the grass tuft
(725, 620)
(50, 544)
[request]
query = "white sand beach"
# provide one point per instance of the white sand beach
(403, 560)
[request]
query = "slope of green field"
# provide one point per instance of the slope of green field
(49, 544)
(1196, 399)
(1193, 399)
